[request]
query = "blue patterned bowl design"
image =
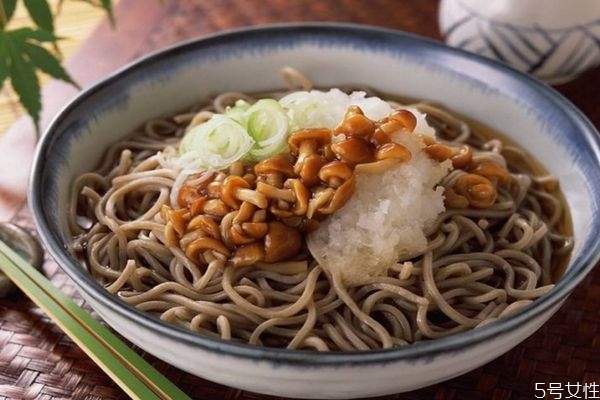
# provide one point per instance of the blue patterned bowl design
(552, 52)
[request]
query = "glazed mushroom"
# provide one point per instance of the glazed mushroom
(492, 171)
(478, 190)
(304, 144)
(275, 193)
(245, 213)
(454, 200)
(257, 213)
(461, 156)
(256, 230)
(205, 243)
(301, 196)
(354, 150)
(355, 123)
(321, 197)
(281, 242)
(178, 218)
(335, 173)
(340, 196)
(248, 255)
(406, 118)
(238, 237)
(215, 207)
(393, 150)
(188, 195)
(306, 141)
(279, 164)
(206, 224)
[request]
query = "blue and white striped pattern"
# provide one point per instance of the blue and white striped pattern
(551, 54)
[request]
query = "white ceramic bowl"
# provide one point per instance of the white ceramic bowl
(529, 112)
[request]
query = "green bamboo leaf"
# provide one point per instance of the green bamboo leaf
(45, 61)
(4, 59)
(107, 6)
(23, 34)
(25, 83)
(40, 13)
(7, 7)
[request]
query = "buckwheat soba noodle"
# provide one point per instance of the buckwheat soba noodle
(329, 220)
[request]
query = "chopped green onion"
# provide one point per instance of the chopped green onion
(254, 132)
(238, 112)
(267, 124)
(217, 143)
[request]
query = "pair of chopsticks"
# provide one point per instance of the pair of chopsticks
(128, 369)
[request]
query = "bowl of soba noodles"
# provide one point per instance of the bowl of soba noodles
(320, 210)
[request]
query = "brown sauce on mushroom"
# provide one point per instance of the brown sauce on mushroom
(261, 212)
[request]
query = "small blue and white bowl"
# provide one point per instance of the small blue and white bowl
(554, 40)
(529, 112)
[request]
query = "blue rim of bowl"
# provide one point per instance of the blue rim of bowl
(422, 350)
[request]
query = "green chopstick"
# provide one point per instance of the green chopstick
(128, 369)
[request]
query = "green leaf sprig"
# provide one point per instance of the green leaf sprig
(25, 53)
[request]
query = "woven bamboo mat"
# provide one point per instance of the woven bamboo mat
(37, 361)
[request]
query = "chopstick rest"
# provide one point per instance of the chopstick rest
(23, 243)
